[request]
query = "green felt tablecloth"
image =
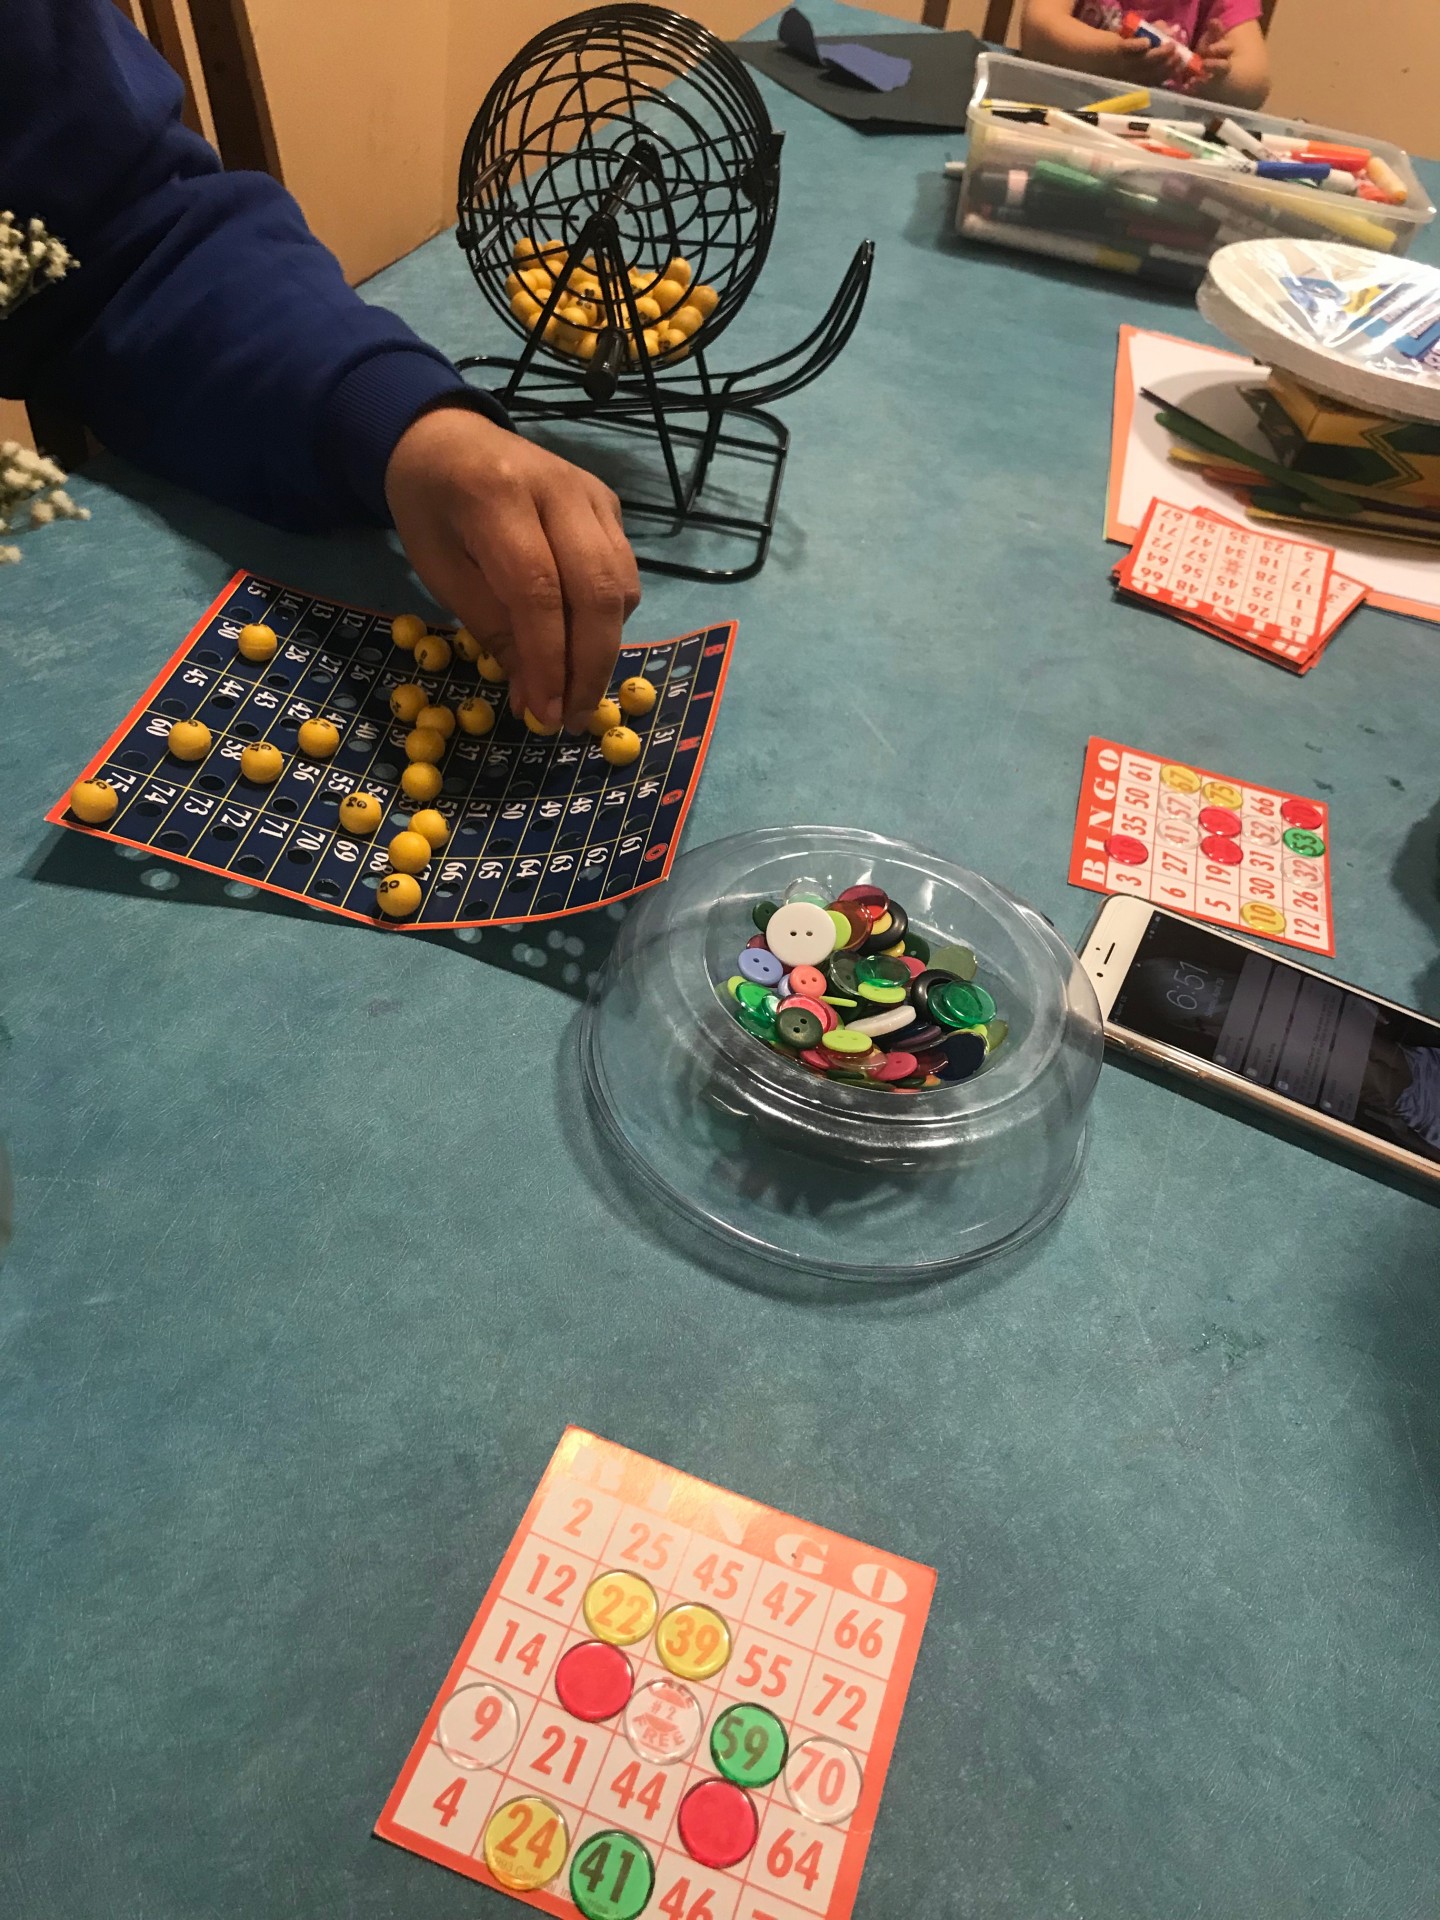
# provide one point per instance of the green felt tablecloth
(312, 1259)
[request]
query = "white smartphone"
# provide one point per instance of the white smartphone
(1210, 1007)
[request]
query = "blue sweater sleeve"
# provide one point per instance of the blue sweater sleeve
(206, 335)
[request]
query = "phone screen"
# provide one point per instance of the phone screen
(1310, 1040)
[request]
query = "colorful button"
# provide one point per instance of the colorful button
(845, 1040)
(797, 1027)
(889, 930)
(1220, 820)
(957, 960)
(823, 1781)
(997, 1032)
(748, 1745)
(717, 1823)
(882, 996)
(759, 964)
(800, 934)
(692, 1641)
(821, 1009)
(1261, 917)
(663, 1722)
(891, 1066)
(964, 1055)
(883, 970)
(760, 913)
(1127, 850)
(478, 1726)
(612, 1876)
(1300, 840)
(593, 1681)
(961, 1004)
(865, 896)
(917, 1039)
(844, 971)
(845, 927)
(525, 1843)
(808, 982)
(620, 1608)
(1302, 813)
(1222, 850)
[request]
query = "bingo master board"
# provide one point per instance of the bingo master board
(539, 826)
(673, 1702)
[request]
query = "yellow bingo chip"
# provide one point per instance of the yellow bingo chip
(1261, 917)
(526, 1843)
(693, 1642)
(620, 1608)
(1220, 793)
(1181, 779)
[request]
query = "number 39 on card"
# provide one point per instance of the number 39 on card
(672, 1701)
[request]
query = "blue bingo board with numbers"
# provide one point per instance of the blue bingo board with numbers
(538, 827)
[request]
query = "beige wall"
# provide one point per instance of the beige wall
(1371, 67)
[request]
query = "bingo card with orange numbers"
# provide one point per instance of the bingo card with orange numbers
(673, 1702)
(1201, 843)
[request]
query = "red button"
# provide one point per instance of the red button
(1225, 853)
(1130, 853)
(1220, 820)
(593, 1681)
(865, 897)
(1302, 813)
(718, 1823)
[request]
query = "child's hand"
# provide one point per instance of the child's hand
(1146, 66)
(527, 550)
(1216, 48)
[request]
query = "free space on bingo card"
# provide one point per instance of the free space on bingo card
(1203, 844)
(673, 1701)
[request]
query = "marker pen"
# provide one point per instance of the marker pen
(1240, 138)
(1059, 246)
(1134, 27)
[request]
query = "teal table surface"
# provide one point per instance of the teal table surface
(313, 1256)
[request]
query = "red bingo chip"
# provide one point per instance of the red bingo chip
(593, 1681)
(1302, 813)
(1220, 820)
(1222, 850)
(1129, 853)
(717, 1823)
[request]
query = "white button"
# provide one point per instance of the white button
(890, 1021)
(800, 934)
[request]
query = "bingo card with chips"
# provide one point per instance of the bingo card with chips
(1201, 843)
(673, 1701)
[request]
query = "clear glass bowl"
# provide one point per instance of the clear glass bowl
(820, 1175)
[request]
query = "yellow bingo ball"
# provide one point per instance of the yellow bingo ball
(424, 743)
(669, 295)
(680, 271)
(406, 629)
(93, 801)
(686, 320)
(704, 300)
(432, 827)
(361, 813)
(535, 727)
(439, 719)
(490, 666)
(648, 309)
(525, 248)
(605, 716)
(620, 746)
(261, 763)
(466, 645)
(475, 715)
(432, 654)
(406, 701)
(256, 642)
(318, 738)
(636, 694)
(189, 740)
(421, 781)
(409, 852)
(397, 895)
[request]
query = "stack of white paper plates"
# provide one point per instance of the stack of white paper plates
(1345, 321)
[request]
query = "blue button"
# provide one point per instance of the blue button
(758, 963)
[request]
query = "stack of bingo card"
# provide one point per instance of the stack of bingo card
(1273, 596)
(1153, 183)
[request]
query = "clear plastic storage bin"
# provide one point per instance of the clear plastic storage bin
(1048, 190)
(819, 1175)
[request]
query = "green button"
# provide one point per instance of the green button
(996, 1034)
(957, 960)
(611, 1876)
(954, 1004)
(881, 995)
(881, 971)
(752, 994)
(797, 1027)
(760, 1024)
(760, 913)
(846, 1040)
(749, 1745)
(917, 944)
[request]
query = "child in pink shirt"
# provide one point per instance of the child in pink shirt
(1087, 34)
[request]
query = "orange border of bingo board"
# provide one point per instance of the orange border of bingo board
(58, 814)
(632, 1480)
(1122, 415)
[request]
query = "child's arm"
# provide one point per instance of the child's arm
(1237, 64)
(1049, 32)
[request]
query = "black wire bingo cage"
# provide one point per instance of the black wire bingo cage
(616, 144)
